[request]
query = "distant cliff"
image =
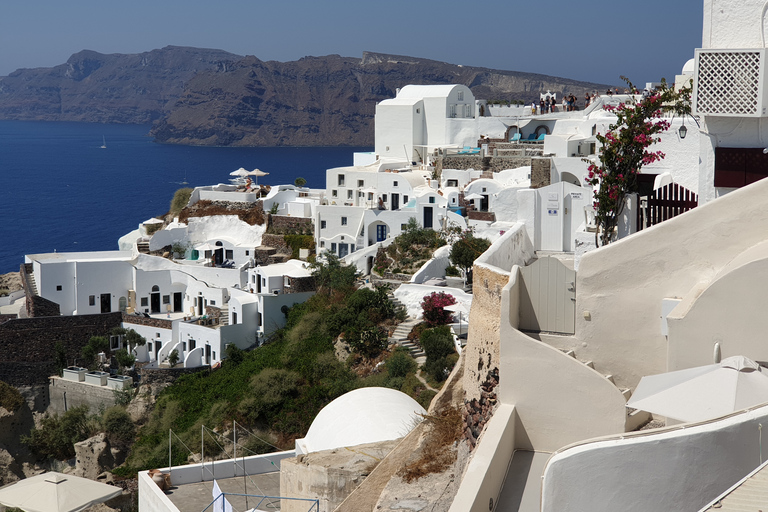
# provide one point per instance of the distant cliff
(98, 88)
(210, 97)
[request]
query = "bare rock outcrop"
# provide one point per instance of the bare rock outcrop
(93, 457)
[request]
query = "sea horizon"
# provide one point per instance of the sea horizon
(61, 191)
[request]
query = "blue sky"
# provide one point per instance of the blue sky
(592, 41)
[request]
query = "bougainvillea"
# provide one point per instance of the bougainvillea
(432, 308)
(626, 148)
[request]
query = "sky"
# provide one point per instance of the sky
(593, 41)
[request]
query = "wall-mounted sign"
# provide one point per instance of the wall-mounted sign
(552, 211)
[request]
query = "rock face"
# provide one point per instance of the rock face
(211, 97)
(323, 100)
(98, 88)
(93, 457)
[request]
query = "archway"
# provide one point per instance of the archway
(154, 299)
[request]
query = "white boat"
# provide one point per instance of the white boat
(103, 142)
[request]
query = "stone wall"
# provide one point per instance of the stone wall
(166, 375)
(66, 394)
(482, 351)
(160, 323)
(281, 224)
(27, 345)
(540, 172)
(484, 216)
(276, 241)
(494, 163)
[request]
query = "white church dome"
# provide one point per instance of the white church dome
(365, 415)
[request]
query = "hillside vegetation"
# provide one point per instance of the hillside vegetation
(276, 390)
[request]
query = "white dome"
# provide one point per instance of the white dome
(689, 67)
(365, 415)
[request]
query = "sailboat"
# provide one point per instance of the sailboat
(103, 142)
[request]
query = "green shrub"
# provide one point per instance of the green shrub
(296, 242)
(95, 345)
(452, 271)
(180, 200)
(120, 430)
(173, 357)
(437, 342)
(400, 364)
(57, 434)
(124, 358)
(10, 398)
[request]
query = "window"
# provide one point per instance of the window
(322, 243)
(343, 221)
(91, 300)
(484, 189)
(322, 224)
(229, 254)
(258, 318)
(461, 95)
(213, 303)
(394, 184)
(166, 299)
(184, 346)
(349, 194)
(452, 183)
(58, 287)
(405, 199)
(453, 111)
(370, 196)
(333, 248)
(467, 111)
(360, 183)
(157, 335)
(418, 111)
(286, 282)
(341, 180)
(144, 302)
(384, 197)
(247, 253)
(352, 248)
(432, 199)
(334, 193)
(214, 356)
(253, 279)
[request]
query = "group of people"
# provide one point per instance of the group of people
(549, 104)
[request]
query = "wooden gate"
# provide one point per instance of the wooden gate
(548, 297)
(663, 204)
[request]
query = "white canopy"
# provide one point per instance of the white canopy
(704, 392)
(241, 172)
(152, 221)
(257, 172)
(457, 308)
(472, 197)
(56, 492)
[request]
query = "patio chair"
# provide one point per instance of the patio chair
(515, 137)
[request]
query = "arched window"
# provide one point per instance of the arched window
(155, 288)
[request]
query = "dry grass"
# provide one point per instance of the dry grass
(249, 213)
(438, 451)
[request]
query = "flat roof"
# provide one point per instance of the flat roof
(81, 256)
(197, 496)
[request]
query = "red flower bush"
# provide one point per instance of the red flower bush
(432, 307)
(625, 149)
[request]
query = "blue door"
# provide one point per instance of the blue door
(381, 232)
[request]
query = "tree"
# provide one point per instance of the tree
(466, 250)
(625, 149)
(124, 358)
(433, 308)
(299, 182)
(331, 275)
(173, 357)
(96, 345)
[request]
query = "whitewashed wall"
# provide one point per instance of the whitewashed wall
(678, 469)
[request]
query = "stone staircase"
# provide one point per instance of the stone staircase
(635, 418)
(400, 336)
(143, 247)
(31, 279)
(224, 315)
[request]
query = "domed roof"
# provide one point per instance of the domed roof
(365, 415)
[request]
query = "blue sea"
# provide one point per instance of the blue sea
(59, 190)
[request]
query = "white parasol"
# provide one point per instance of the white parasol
(56, 492)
